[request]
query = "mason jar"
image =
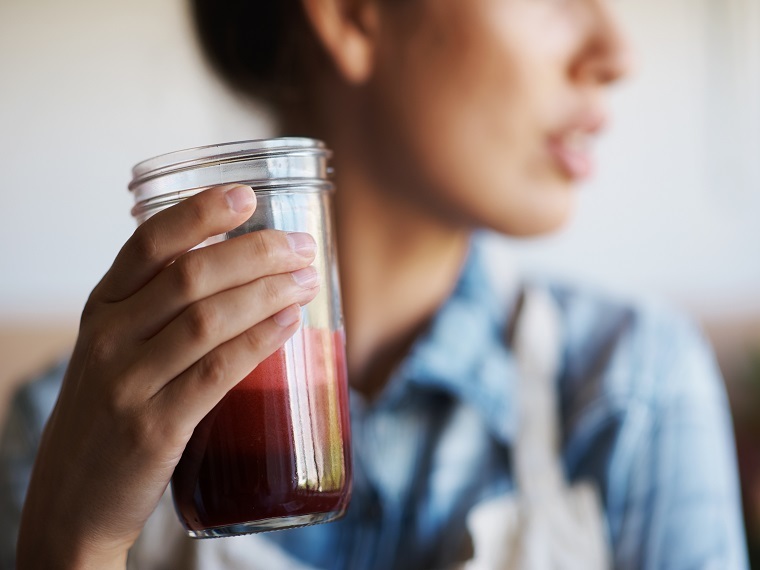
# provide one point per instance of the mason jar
(275, 452)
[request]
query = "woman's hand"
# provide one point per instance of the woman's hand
(163, 337)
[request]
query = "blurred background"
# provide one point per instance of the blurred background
(88, 88)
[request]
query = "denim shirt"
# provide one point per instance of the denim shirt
(644, 417)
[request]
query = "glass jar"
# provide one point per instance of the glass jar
(275, 452)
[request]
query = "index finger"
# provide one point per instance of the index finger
(172, 232)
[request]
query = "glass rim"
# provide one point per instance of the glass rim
(223, 152)
(260, 163)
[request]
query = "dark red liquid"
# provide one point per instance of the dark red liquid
(273, 447)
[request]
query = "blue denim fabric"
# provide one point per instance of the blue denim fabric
(644, 417)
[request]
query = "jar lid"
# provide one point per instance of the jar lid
(263, 164)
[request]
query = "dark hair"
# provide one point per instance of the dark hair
(258, 47)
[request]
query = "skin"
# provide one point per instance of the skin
(444, 115)
(464, 101)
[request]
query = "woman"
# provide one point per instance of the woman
(444, 116)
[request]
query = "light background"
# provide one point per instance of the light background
(88, 88)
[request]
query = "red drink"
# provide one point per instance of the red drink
(276, 451)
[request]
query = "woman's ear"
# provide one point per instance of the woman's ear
(346, 29)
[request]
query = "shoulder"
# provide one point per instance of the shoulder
(33, 401)
(639, 389)
(626, 350)
(28, 412)
(645, 416)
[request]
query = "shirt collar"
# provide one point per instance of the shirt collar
(464, 352)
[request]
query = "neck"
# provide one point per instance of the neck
(399, 257)
(398, 265)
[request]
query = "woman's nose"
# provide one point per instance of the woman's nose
(606, 55)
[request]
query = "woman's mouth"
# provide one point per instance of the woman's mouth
(572, 145)
(572, 151)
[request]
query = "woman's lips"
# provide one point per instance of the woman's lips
(573, 153)
(572, 146)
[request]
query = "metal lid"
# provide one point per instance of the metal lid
(263, 164)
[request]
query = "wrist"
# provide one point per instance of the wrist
(42, 554)
(52, 547)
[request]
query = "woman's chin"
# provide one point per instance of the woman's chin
(537, 217)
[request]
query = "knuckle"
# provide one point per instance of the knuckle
(212, 370)
(255, 343)
(145, 244)
(203, 321)
(100, 347)
(266, 246)
(140, 429)
(272, 290)
(149, 431)
(186, 274)
(198, 212)
(120, 401)
(141, 426)
(171, 434)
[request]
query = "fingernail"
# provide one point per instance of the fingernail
(288, 316)
(306, 277)
(302, 243)
(241, 198)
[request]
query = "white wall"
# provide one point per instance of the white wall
(88, 88)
